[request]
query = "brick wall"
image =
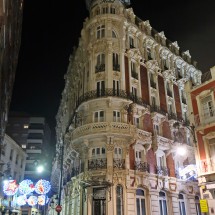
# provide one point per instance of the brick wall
(144, 84)
(151, 159)
(132, 157)
(171, 165)
(177, 101)
(166, 130)
(127, 78)
(162, 94)
(147, 123)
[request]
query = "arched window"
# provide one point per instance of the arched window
(100, 31)
(162, 203)
(119, 200)
(181, 204)
(197, 204)
(140, 202)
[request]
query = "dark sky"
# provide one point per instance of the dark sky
(51, 28)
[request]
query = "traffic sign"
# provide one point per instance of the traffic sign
(58, 208)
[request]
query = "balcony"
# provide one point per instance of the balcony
(110, 92)
(141, 166)
(95, 164)
(107, 127)
(119, 163)
(162, 143)
(162, 170)
(156, 108)
(116, 67)
(153, 84)
(100, 68)
(172, 116)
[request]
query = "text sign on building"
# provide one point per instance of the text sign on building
(203, 205)
(210, 186)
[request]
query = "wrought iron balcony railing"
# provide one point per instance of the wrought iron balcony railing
(119, 163)
(116, 67)
(172, 116)
(155, 108)
(141, 166)
(162, 170)
(110, 92)
(100, 68)
(95, 164)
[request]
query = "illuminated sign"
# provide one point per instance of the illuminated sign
(188, 173)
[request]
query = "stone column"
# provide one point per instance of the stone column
(131, 202)
(190, 204)
(154, 202)
(173, 204)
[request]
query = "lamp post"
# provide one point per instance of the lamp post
(58, 207)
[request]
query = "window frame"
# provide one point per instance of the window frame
(99, 117)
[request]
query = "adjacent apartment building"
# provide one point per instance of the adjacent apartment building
(33, 135)
(202, 106)
(116, 124)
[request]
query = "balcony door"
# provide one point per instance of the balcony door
(99, 201)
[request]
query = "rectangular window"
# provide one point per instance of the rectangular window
(116, 116)
(11, 154)
(131, 42)
(208, 107)
(134, 92)
(99, 116)
(156, 129)
(153, 101)
(100, 31)
(115, 87)
(136, 122)
(100, 88)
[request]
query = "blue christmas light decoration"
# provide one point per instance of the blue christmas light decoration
(32, 200)
(21, 200)
(26, 187)
(10, 187)
(42, 187)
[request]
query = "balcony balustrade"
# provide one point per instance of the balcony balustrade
(100, 68)
(113, 127)
(116, 67)
(94, 164)
(172, 115)
(155, 108)
(162, 170)
(119, 163)
(141, 166)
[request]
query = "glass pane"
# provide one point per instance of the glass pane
(161, 208)
(139, 192)
(183, 208)
(180, 208)
(143, 208)
(138, 206)
(164, 207)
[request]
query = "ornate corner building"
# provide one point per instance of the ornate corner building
(124, 91)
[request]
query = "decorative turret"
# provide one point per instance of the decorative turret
(89, 3)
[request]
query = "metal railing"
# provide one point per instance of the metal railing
(94, 164)
(116, 67)
(162, 170)
(141, 166)
(119, 163)
(156, 108)
(134, 75)
(172, 116)
(100, 68)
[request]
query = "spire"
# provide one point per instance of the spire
(90, 2)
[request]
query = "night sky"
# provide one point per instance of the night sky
(52, 28)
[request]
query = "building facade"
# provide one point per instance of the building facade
(10, 39)
(13, 160)
(116, 133)
(202, 105)
(33, 135)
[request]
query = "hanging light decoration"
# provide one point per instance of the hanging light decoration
(10, 187)
(26, 187)
(32, 200)
(21, 200)
(42, 187)
(42, 200)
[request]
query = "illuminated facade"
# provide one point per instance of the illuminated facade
(124, 90)
(202, 106)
